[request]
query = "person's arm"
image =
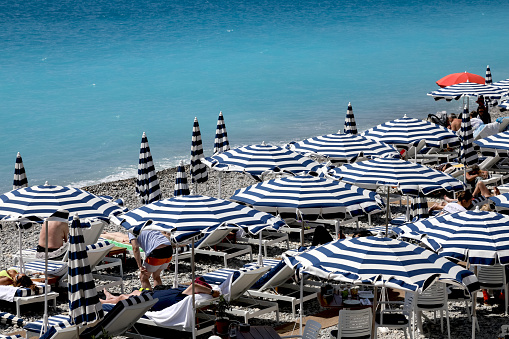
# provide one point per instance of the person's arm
(66, 232)
(5, 281)
(472, 175)
(136, 253)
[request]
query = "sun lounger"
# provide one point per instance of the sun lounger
(269, 238)
(24, 296)
(10, 319)
(116, 322)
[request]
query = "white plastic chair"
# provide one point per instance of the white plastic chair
(353, 323)
(493, 278)
(434, 298)
(311, 330)
(397, 318)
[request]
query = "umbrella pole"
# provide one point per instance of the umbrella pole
(301, 310)
(45, 317)
(260, 256)
(175, 279)
(375, 305)
(219, 186)
(474, 313)
(337, 225)
(21, 265)
(192, 289)
(407, 217)
(387, 213)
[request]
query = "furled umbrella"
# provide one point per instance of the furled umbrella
(487, 78)
(198, 170)
(467, 155)
(343, 147)
(84, 305)
(221, 143)
(181, 187)
(350, 125)
(406, 131)
(147, 184)
(456, 78)
(20, 177)
(497, 144)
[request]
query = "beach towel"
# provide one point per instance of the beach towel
(7, 293)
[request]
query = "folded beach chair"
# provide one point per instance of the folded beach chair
(118, 319)
(275, 285)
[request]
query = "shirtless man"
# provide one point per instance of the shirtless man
(454, 123)
(58, 232)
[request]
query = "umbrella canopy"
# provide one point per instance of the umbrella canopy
(344, 147)
(147, 184)
(501, 201)
(456, 78)
(84, 305)
(468, 89)
(504, 84)
(350, 126)
(478, 237)
(467, 153)
(221, 143)
(20, 177)
(181, 187)
(497, 144)
(313, 196)
(196, 213)
(487, 78)
(381, 262)
(407, 131)
(199, 172)
(504, 105)
(409, 178)
(39, 202)
(258, 159)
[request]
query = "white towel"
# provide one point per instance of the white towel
(179, 314)
(7, 293)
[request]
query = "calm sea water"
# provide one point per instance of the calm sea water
(81, 81)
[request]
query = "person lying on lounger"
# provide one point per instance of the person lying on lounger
(13, 278)
(166, 297)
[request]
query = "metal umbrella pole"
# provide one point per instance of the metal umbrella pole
(192, 289)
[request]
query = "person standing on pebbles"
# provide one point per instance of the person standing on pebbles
(158, 249)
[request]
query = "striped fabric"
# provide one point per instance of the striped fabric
(20, 177)
(181, 187)
(312, 196)
(84, 305)
(380, 261)
(27, 292)
(406, 131)
(504, 104)
(199, 172)
(55, 268)
(481, 238)
(147, 184)
(350, 126)
(221, 143)
(501, 201)
(58, 321)
(487, 78)
(10, 319)
(39, 202)
(467, 154)
(504, 84)
(468, 89)
(217, 277)
(16, 336)
(198, 213)
(409, 178)
(97, 245)
(497, 144)
(419, 207)
(344, 147)
(258, 159)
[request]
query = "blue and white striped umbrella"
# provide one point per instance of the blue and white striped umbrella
(199, 173)
(39, 202)
(479, 237)
(344, 147)
(467, 154)
(258, 159)
(501, 201)
(487, 78)
(409, 178)
(419, 207)
(312, 196)
(147, 184)
(504, 84)
(468, 89)
(381, 262)
(181, 187)
(350, 125)
(20, 177)
(84, 305)
(497, 144)
(197, 213)
(406, 131)
(504, 105)
(221, 143)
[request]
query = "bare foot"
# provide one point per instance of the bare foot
(496, 191)
(107, 294)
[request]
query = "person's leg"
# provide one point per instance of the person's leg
(111, 299)
(154, 267)
(157, 277)
(480, 188)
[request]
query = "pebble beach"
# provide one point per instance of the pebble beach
(490, 317)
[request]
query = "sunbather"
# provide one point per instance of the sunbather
(116, 236)
(58, 233)
(13, 278)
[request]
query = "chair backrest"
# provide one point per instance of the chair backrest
(278, 274)
(488, 163)
(215, 237)
(434, 297)
(245, 281)
(97, 252)
(311, 329)
(91, 234)
(491, 276)
(355, 323)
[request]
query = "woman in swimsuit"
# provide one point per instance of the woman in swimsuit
(14, 278)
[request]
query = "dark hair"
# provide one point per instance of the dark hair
(362, 233)
(25, 281)
(464, 195)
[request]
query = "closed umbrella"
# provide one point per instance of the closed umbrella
(181, 187)
(350, 125)
(198, 170)
(344, 147)
(487, 78)
(467, 153)
(84, 305)
(406, 131)
(456, 78)
(20, 177)
(147, 184)
(221, 143)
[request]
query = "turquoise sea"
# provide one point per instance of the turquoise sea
(81, 81)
